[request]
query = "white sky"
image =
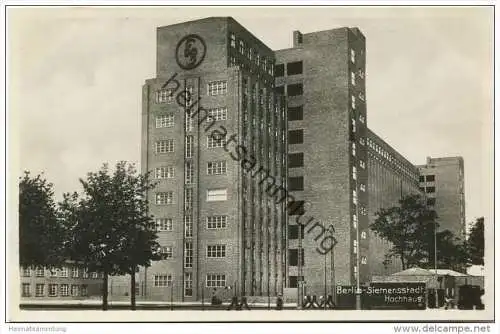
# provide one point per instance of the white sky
(76, 76)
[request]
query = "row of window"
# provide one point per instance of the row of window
(167, 95)
(389, 157)
(296, 89)
(213, 195)
(427, 178)
(167, 145)
(54, 290)
(428, 190)
(213, 251)
(292, 68)
(267, 65)
(212, 222)
(59, 272)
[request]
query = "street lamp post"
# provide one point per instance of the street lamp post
(436, 295)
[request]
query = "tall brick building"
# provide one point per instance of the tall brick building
(294, 123)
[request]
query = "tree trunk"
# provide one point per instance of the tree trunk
(402, 261)
(132, 289)
(105, 292)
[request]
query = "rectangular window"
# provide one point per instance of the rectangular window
(52, 290)
(165, 95)
(293, 232)
(164, 224)
(94, 275)
(189, 172)
(216, 280)
(295, 90)
(85, 273)
(188, 226)
(162, 280)
(188, 199)
(64, 290)
(75, 290)
(295, 160)
(430, 190)
(362, 141)
(293, 257)
(215, 142)
(164, 146)
(296, 183)
(363, 260)
(295, 136)
(63, 272)
(26, 290)
(216, 167)
(353, 125)
(40, 290)
(233, 41)
(217, 114)
(189, 123)
(279, 70)
(165, 172)
(355, 269)
(83, 290)
(421, 178)
(355, 221)
(53, 272)
(296, 113)
(280, 90)
(353, 79)
(188, 255)
(242, 47)
(354, 173)
(363, 235)
(217, 88)
(296, 208)
(294, 281)
(430, 178)
(164, 198)
(166, 252)
(362, 119)
(353, 56)
(164, 121)
(216, 195)
(26, 272)
(431, 201)
(355, 246)
(361, 95)
(362, 187)
(189, 146)
(294, 68)
(362, 164)
(354, 197)
(75, 272)
(188, 284)
(363, 211)
(40, 272)
(353, 102)
(216, 251)
(216, 222)
(353, 149)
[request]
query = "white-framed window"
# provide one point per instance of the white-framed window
(355, 246)
(189, 146)
(164, 121)
(353, 56)
(355, 197)
(362, 119)
(95, 275)
(188, 284)
(188, 199)
(163, 198)
(167, 252)
(364, 260)
(40, 272)
(53, 272)
(353, 123)
(216, 251)
(26, 290)
(363, 211)
(353, 102)
(233, 40)
(188, 255)
(216, 222)
(189, 172)
(164, 146)
(75, 272)
(353, 78)
(83, 290)
(164, 224)
(26, 271)
(189, 123)
(216, 167)
(363, 235)
(165, 172)
(214, 142)
(355, 269)
(217, 114)
(361, 96)
(39, 290)
(188, 226)
(216, 280)
(52, 290)
(362, 141)
(162, 280)
(165, 95)
(216, 195)
(188, 95)
(354, 173)
(362, 164)
(217, 88)
(242, 47)
(362, 187)
(355, 221)
(75, 290)
(353, 149)
(85, 273)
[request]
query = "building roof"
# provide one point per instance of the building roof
(416, 271)
(450, 272)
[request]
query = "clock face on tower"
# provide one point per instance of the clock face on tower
(190, 52)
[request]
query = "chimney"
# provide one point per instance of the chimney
(297, 38)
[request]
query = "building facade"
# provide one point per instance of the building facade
(213, 136)
(442, 182)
